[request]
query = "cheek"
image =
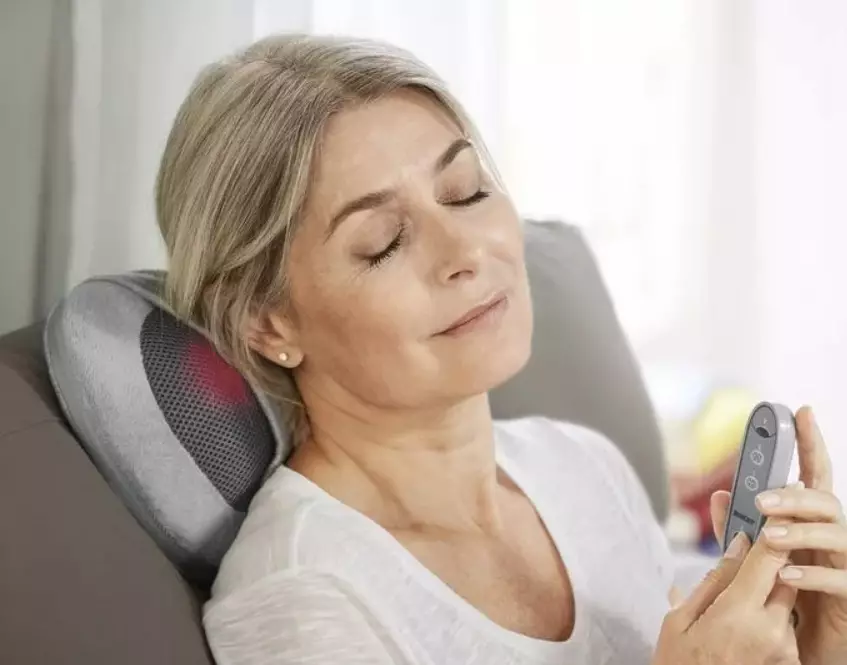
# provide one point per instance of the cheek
(505, 233)
(356, 320)
(340, 313)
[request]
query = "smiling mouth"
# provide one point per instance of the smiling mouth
(477, 316)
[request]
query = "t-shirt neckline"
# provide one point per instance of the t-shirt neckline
(532, 646)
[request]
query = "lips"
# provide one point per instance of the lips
(477, 313)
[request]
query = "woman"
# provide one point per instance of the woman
(334, 222)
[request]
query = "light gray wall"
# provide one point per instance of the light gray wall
(25, 55)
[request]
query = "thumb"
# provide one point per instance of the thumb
(719, 511)
(716, 580)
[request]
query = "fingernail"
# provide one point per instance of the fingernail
(736, 547)
(768, 500)
(775, 531)
(799, 485)
(790, 573)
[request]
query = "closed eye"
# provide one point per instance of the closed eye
(380, 257)
(481, 195)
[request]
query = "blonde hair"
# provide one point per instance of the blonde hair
(235, 174)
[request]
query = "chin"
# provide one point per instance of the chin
(499, 371)
(490, 359)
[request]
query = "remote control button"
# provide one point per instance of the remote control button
(757, 457)
(751, 483)
(764, 422)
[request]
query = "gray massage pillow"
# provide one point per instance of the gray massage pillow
(179, 435)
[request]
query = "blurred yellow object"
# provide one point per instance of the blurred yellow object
(718, 430)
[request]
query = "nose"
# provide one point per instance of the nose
(459, 249)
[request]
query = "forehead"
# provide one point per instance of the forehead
(372, 146)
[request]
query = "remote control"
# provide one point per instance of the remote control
(764, 463)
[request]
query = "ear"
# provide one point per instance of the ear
(274, 336)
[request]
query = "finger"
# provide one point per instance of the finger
(810, 505)
(780, 603)
(815, 464)
(757, 575)
(816, 578)
(716, 581)
(806, 536)
(719, 510)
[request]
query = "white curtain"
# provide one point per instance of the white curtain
(701, 145)
(594, 110)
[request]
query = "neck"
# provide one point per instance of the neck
(419, 470)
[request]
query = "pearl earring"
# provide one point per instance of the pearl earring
(283, 357)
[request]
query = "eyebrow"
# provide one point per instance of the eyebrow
(381, 197)
(450, 154)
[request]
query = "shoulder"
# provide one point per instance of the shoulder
(298, 615)
(295, 584)
(282, 595)
(278, 534)
(542, 431)
(549, 440)
(576, 460)
(556, 450)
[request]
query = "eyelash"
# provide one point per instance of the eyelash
(378, 259)
(393, 246)
(481, 195)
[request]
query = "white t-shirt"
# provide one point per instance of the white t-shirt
(314, 582)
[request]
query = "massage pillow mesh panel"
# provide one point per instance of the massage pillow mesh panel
(179, 435)
(208, 406)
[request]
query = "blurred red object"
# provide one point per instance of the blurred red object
(694, 491)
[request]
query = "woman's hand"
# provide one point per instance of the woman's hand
(816, 538)
(739, 614)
